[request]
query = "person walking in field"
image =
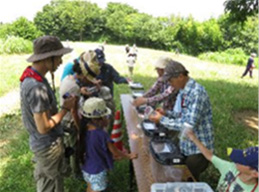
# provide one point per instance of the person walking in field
(41, 116)
(97, 149)
(250, 66)
(240, 175)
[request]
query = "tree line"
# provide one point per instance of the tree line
(122, 24)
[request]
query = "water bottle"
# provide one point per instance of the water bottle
(186, 127)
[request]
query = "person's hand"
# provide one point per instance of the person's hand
(70, 102)
(161, 111)
(190, 134)
(155, 117)
(98, 83)
(83, 91)
(133, 155)
(139, 101)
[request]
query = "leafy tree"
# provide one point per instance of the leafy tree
(211, 36)
(74, 20)
(240, 10)
(118, 26)
(243, 35)
(48, 21)
(21, 27)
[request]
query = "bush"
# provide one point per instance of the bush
(230, 56)
(14, 45)
(21, 27)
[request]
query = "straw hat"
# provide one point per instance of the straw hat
(89, 65)
(47, 46)
(95, 108)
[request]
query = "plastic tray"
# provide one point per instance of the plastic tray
(181, 187)
(136, 85)
(166, 152)
(148, 127)
(141, 109)
(137, 94)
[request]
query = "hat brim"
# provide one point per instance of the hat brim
(108, 112)
(236, 155)
(38, 57)
(166, 77)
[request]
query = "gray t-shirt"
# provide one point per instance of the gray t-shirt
(37, 97)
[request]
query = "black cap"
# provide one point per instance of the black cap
(100, 55)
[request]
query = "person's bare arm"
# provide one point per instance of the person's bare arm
(45, 123)
(139, 101)
(206, 152)
(118, 153)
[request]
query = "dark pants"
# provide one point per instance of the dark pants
(248, 69)
(197, 164)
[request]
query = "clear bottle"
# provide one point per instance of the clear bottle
(186, 127)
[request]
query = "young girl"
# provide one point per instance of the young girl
(98, 150)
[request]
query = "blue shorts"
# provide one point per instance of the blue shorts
(98, 181)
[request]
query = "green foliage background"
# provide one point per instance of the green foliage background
(120, 23)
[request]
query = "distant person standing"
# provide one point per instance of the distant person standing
(177, 51)
(250, 66)
(127, 48)
(135, 50)
(131, 61)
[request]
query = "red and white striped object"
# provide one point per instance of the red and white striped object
(116, 134)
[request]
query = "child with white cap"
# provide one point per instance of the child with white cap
(97, 149)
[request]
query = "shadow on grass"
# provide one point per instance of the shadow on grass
(16, 169)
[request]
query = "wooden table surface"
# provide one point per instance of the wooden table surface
(147, 170)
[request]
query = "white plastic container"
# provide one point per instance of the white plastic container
(181, 187)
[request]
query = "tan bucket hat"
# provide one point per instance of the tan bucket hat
(47, 46)
(89, 65)
(95, 107)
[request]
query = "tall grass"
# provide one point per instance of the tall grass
(229, 94)
(230, 56)
(15, 45)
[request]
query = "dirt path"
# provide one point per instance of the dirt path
(9, 102)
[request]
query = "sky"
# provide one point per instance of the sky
(201, 10)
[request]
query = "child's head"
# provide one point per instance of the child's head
(246, 160)
(95, 109)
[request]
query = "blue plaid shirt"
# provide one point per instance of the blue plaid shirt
(196, 111)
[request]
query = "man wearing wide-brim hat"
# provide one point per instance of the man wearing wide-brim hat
(41, 116)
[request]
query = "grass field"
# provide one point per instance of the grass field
(229, 94)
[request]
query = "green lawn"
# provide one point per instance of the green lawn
(229, 94)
